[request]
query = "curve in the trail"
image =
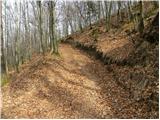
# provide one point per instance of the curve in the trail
(72, 86)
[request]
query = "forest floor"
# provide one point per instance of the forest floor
(71, 86)
(77, 85)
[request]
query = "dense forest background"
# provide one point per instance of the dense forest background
(37, 26)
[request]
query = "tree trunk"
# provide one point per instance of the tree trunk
(108, 14)
(3, 66)
(70, 23)
(6, 42)
(140, 18)
(99, 10)
(103, 13)
(89, 13)
(29, 33)
(119, 17)
(40, 27)
(54, 45)
(130, 16)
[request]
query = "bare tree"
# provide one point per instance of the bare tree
(140, 17)
(54, 45)
(40, 26)
(3, 66)
(108, 8)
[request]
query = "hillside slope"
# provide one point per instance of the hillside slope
(132, 58)
(117, 79)
(73, 86)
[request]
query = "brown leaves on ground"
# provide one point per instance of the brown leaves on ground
(72, 86)
(51, 87)
(134, 64)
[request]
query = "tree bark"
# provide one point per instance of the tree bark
(108, 14)
(54, 44)
(40, 27)
(3, 66)
(140, 17)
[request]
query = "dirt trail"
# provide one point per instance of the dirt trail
(72, 86)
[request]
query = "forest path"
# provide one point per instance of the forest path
(72, 86)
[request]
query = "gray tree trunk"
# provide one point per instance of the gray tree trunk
(108, 14)
(40, 27)
(54, 45)
(3, 66)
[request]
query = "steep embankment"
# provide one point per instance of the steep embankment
(132, 58)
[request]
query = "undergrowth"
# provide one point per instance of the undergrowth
(4, 79)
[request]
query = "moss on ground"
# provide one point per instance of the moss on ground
(4, 79)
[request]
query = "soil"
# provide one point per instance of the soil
(70, 86)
